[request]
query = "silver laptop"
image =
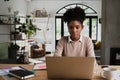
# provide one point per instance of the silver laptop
(70, 67)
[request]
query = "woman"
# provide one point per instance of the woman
(75, 44)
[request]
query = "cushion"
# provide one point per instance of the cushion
(4, 50)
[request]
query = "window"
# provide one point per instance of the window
(87, 9)
(90, 23)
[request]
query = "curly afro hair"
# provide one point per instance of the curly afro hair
(76, 13)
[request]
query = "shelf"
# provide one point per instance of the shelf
(12, 16)
(18, 40)
(10, 24)
(7, 15)
(6, 24)
(10, 19)
(4, 34)
(40, 20)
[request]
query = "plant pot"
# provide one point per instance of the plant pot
(16, 36)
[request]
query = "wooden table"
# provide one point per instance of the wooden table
(42, 74)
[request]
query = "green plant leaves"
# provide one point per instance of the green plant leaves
(28, 28)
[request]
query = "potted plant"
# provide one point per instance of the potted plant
(28, 27)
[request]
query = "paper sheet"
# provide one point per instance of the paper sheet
(40, 66)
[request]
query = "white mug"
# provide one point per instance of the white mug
(110, 74)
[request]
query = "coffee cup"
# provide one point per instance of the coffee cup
(110, 74)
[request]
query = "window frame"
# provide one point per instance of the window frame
(77, 4)
(90, 26)
(90, 15)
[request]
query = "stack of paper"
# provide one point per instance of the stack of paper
(40, 66)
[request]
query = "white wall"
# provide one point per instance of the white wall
(4, 33)
(16, 5)
(52, 6)
(110, 27)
